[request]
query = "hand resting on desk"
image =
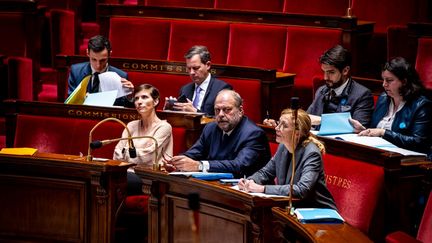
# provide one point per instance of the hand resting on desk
(250, 186)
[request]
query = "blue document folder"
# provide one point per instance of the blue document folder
(318, 215)
(335, 123)
(208, 176)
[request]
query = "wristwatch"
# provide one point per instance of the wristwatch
(200, 166)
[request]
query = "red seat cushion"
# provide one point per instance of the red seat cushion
(257, 46)
(400, 237)
(136, 204)
(139, 37)
(356, 187)
(185, 34)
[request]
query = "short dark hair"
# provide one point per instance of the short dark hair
(98, 43)
(403, 70)
(337, 56)
(154, 92)
(202, 51)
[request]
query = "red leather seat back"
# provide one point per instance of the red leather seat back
(317, 7)
(255, 5)
(257, 46)
(305, 63)
(16, 42)
(273, 147)
(139, 37)
(179, 140)
(425, 230)
(356, 187)
(424, 61)
(167, 84)
(185, 34)
(250, 91)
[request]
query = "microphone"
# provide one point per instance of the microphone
(294, 108)
(132, 151)
(194, 206)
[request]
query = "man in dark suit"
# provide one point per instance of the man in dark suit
(199, 96)
(232, 143)
(98, 51)
(340, 92)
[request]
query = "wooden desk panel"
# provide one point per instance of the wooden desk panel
(226, 215)
(288, 228)
(54, 197)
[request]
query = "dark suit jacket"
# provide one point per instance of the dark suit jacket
(309, 182)
(412, 125)
(213, 89)
(79, 71)
(245, 151)
(355, 98)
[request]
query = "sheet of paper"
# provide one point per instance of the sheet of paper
(112, 81)
(106, 98)
(335, 123)
(257, 194)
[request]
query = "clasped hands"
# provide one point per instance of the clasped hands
(250, 186)
(180, 163)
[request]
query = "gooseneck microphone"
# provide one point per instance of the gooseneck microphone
(294, 108)
(194, 206)
(132, 151)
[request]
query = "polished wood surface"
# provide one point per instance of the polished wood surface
(59, 198)
(226, 215)
(288, 228)
(191, 122)
(272, 82)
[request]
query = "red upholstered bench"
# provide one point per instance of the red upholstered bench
(139, 37)
(185, 34)
(356, 187)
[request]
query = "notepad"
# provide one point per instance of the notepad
(335, 123)
(106, 98)
(18, 151)
(318, 215)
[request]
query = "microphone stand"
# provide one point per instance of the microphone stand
(108, 141)
(89, 156)
(294, 107)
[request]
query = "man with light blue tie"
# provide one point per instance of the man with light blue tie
(201, 93)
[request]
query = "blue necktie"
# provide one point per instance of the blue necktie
(196, 101)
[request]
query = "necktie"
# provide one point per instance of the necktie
(95, 83)
(196, 101)
(225, 138)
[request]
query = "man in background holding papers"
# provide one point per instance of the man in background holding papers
(231, 144)
(98, 51)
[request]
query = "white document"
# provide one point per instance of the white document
(112, 81)
(376, 142)
(106, 98)
(257, 194)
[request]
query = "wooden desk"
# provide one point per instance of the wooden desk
(226, 215)
(272, 82)
(288, 228)
(61, 198)
(191, 122)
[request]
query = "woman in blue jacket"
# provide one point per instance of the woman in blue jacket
(403, 115)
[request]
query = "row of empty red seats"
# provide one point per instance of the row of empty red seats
(291, 49)
(379, 12)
